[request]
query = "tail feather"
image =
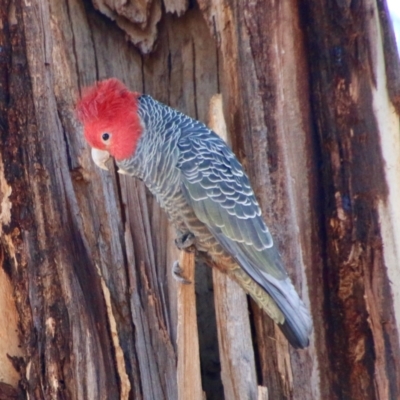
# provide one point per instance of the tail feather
(292, 335)
(297, 325)
(279, 299)
(269, 287)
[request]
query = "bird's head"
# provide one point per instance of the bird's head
(108, 112)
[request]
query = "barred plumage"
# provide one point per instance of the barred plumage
(196, 178)
(201, 185)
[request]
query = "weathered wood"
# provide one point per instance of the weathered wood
(138, 19)
(9, 338)
(390, 53)
(91, 231)
(262, 393)
(178, 7)
(308, 89)
(234, 336)
(188, 370)
(125, 385)
(264, 88)
(357, 129)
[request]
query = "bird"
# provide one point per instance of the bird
(202, 187)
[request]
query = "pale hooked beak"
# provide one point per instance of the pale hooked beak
(100, 158)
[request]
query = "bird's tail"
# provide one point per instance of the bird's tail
(279, 299)
(297, 323)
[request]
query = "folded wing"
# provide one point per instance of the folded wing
(219, 191)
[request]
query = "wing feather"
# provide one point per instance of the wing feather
(222, 198)
(219, 191)
(215, 185)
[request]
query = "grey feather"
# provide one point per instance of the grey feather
(220, 190)
(204, 189)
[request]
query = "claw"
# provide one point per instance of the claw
(186, 242)
(177, 274)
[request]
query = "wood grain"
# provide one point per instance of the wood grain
(310, 94)
(188, 370)
(138, 19)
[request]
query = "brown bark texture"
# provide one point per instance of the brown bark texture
(88, 305)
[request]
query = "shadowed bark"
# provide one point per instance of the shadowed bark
(88, 306)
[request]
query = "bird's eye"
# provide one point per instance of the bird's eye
(105, 137)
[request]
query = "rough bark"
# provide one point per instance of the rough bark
(310, 90)
(353, 115)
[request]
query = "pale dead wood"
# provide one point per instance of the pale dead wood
(234, 334)
(390, 53)
(216, 120)
(9, 340)
(262, 393)
(178, 7)
(188, 370)
(234, 337)
(386, 63)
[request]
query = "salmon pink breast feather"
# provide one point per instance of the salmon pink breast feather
(204, 190)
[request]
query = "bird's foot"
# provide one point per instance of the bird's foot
(177, 274)
(186, 242)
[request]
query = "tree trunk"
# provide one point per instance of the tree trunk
(88, 305)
